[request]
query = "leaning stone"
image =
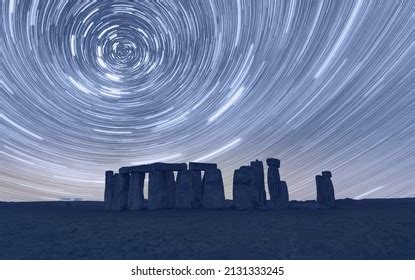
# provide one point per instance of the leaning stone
(243, 188)
(161, 166)
(109, 189)
(273, 162)
(155, 190)
(135, 191)
(213, 190)
(169, 189)
(202, 166)
(121, 192)
(325, 191)
(197, 187)
(258, 169)
(184, 191)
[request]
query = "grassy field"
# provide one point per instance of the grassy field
(365, 229)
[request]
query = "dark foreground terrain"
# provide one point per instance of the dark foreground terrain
(366, 229)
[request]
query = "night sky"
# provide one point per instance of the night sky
(321, 85)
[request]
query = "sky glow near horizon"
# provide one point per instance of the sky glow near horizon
(92, 86)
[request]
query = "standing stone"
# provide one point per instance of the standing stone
(325, 190)
(109, 189)
(197, 187)
(273, 182)
(135, 191)
(184, 192)
(202, 166)
(121, 192)
(281, 201)
(169, 189)
(213, 190)
(244, 190)
(155, 190)
(258, 169)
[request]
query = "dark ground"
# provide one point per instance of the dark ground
(366, 229)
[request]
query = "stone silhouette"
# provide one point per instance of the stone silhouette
(135, 191)
(278, 190)
(213, 190)
(325, 190)
(125, 190)
(196, 169)
(245, 193)
(184, 192)
(121, 192)
(260, 195)
(109, 189)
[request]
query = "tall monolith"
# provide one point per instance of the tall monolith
(135, 191)
(213, 189)
(121, 192)
(197, 187)
(155, 189)
(260, 195)
(184, 192)
(109, 189)
(169, 189)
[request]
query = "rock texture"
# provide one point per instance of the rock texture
(109, 189)
(121, 192)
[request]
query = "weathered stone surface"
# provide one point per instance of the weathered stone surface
(144, 168)
(135, 191)
(109, 189)
(161, 166)
(325, 191)
(258, 169)
(326, 173)
(184, 192)
(169, 189)
(213, 190)
(202, 166)
(244, 191)
(121, 192)
(197, 187)
(155, 190)
(273, 177)
(273, 162)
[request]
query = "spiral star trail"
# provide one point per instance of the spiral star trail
(321, 85)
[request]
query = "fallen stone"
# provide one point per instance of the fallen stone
(202, 166)
(184, 192)
(273, 162)
(109, 189)
(213, 190)
(121, 192)
(135, 191)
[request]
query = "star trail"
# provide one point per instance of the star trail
(321, 85)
